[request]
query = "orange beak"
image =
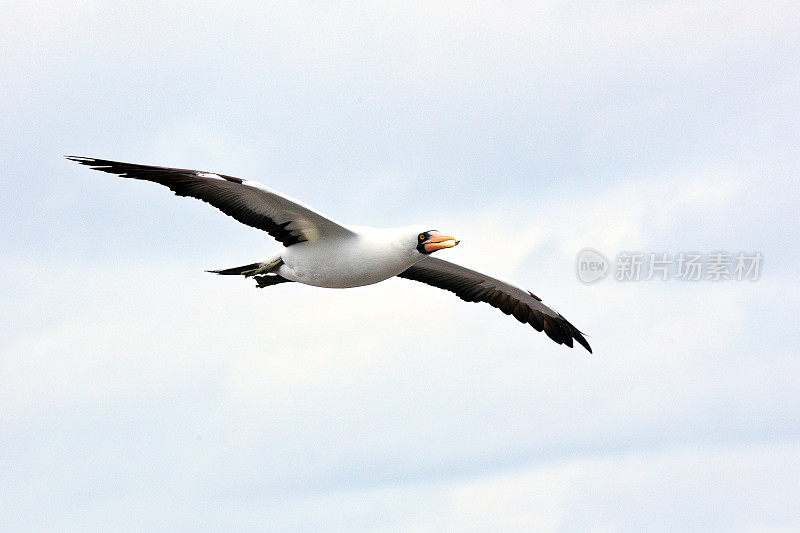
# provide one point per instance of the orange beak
(437, 241)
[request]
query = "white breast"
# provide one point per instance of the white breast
(367, 257)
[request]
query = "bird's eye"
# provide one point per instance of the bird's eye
(422, 236)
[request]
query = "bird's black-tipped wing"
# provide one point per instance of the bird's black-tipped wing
(472, 286)
(287, 220)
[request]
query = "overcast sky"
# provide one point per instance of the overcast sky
(138, 392)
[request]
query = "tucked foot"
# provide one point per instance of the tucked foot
(266, 268)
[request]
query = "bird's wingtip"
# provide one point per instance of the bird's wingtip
(583, 342)
(80, 159)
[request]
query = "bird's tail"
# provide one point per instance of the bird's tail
(244, 270)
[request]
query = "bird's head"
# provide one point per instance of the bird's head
(429, 241)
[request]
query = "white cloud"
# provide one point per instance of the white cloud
(678, 488)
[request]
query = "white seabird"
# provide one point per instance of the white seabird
(318, 251)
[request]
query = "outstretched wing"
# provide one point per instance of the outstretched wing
(472, 286)
(287, 220)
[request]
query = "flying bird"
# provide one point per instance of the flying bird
(321, 252)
